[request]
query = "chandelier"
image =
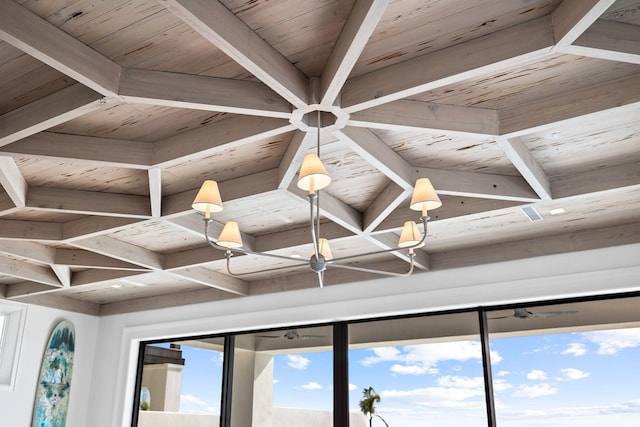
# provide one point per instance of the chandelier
(312, 178)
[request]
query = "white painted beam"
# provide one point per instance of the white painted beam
(202, 93)
(528, 167)
(29, 272)
(213, 279)
(155, 192)
(610, 40)
(213, 21)
(362, 21)
(417, 115)
(90, 260)
(104, 151)
(60, 107)
(292, 159)
(49, 44)
(108, 246)
(571, 18)
(390, 198)
(13, 182)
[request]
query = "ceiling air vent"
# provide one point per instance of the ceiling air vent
(532, 213)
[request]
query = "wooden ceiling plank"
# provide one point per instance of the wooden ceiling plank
(30, 230)
(35, 252)
(227, 32)
(479, 185)
(60, 107)
(202, 93)
(213, 279)
(88, 202)
(101, 276)
(95, 226)
(29, 272)
(388, 200)
(194, 223)
(368, 146)
(571, 18)
(362, 21)
(528, 167)
(246, 186)
(288, 239)
(108, 246)
(292, 159)
(418, 115)
(192, 258)
(390, 240)
(155, 192)
(19, 290)
(229, 133)
(49, 44)
(609, 178)
(13, 182)
(333, 209)
(610, 40)
(614, 95)
(491, 53)
(104, 151)
(60, 303)
(86, 259)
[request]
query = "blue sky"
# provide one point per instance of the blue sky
(583, 379)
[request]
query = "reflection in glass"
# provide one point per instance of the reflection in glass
(426, 370)
(569, 365)
(283, 378)
(181, 383)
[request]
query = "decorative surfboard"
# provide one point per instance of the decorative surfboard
(52, 394)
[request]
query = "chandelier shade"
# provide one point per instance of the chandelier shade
(230, 237)
(424, 197)
(208, 199)
(313, 175)
(410, 235)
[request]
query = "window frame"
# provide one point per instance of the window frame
(11, 342)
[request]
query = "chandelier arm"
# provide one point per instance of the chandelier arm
(384, 251)
(314, 236)
(321, 278)
(214, 245)
(381, 272)
(228, 255)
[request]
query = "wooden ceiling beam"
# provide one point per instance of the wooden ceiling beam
(418, 115)
(610, 40)
(60, 107)
(63, 273)
(362, 21)
(202, 93)
(155, 191)
(87, 202)
(388, 200)
(491, 53)
(95, 226)
(213, 279)
(13, 182)
(613, 95)
(390, 240)
(19, 290)
(93, 277)
(30, 230)
(29, 272)
(127, 252)
(49, 44)
(60, 303)
(87, 259)
(194, 223)
(571, 18)
(292, 159)
(527, 165)
(213, 21)
(35, 252)
(104, 151)
(192, 258)
(368, 146)
(592, 181)
(479, 185)
(219, 136)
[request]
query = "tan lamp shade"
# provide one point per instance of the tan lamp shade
(208, 198)
(230, 237)
(325, 250)
(424, 196)
(313, 175)
(410, 235)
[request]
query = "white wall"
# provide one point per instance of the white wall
(16, 406)
(102, 388)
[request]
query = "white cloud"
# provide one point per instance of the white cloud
(537, 390)
(352, 387)
(501, 385)
(312, 385)
(611, 342)
(503, 373)
(191, 399)
(431, 395)
(218, 358)
(574, 374)
(275, 381)
(576, 349)
(537, 374)
(424, 358)
(460, 382)
(297, 362)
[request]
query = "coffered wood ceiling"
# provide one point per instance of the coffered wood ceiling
(113, 112)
